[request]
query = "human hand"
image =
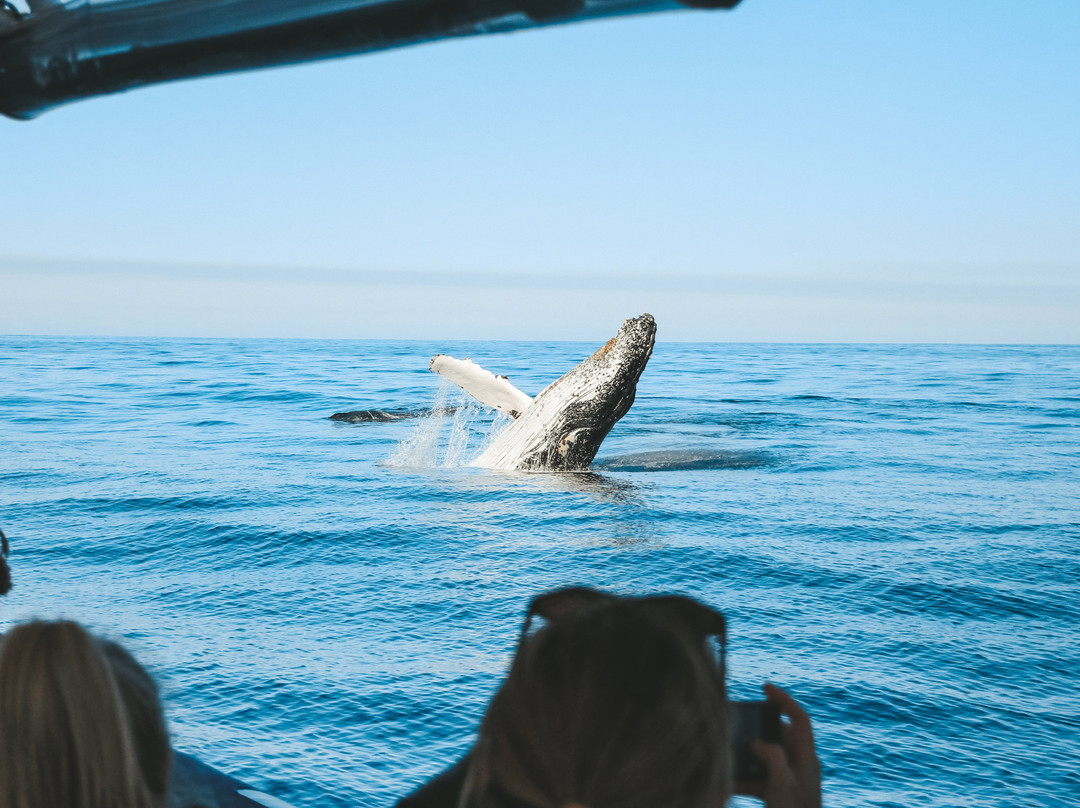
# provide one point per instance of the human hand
(794, 778)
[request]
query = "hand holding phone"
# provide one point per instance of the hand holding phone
(793, 778)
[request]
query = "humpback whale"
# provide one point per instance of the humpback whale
(562, 428)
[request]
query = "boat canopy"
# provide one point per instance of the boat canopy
(54, 52)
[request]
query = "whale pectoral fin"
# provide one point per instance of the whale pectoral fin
(483, 385)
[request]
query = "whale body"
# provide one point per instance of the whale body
(562, 428)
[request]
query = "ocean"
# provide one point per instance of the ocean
(892, 530)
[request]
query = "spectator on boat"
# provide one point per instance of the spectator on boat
(620, 702)
(5, 572)
(67, 739)
(146, 717)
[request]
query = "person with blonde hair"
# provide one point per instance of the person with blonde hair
(67, 738)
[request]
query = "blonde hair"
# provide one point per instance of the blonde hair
(66, 739)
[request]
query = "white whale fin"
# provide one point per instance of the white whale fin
(483, 385)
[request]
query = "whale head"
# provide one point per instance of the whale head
(564, 426)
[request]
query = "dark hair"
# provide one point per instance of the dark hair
(613, 703)
(5, 572)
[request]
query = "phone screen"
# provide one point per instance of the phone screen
(749, 720)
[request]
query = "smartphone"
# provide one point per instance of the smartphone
(749, 720)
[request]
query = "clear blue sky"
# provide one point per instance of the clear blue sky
(788, 171)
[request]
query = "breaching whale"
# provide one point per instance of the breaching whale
(562, 428)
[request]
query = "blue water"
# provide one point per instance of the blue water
(893, 532)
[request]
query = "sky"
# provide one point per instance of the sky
(834, 171)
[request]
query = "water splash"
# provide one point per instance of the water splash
(438, 441)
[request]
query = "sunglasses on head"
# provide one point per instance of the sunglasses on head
(678, 610)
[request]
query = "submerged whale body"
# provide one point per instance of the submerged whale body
(562, 428)
(383, 416)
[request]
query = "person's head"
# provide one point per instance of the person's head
(66, 739)
(146, 717)
(614, 702)
(5, 573)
